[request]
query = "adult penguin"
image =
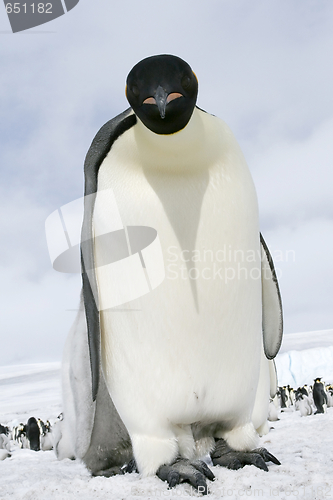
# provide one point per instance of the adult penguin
(319, 396)
(183, 369)
(33, 434)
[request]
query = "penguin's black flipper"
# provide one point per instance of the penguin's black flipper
(183, 470)
(98, 150)
(272, 317)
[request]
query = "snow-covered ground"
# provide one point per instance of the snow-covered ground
(304, 445)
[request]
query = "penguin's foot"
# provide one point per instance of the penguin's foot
(182, 470)
(115, 470)
(227, 457)
(130, 467)
(266, 455)
(112, 471)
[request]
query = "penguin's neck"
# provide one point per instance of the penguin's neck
(182, 151)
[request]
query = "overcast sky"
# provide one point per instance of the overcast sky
(265, 67)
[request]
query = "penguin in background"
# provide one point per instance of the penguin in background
(302, 390)
(302, 403)
(310, 392)
(329, 394)
(287, 393)
(306, 390)
(146, 385)
(319, 396)
(284, 400)
(272, 411)
(4, 447)
(291, 395)
(33, 434)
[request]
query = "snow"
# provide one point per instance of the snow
(29, 389)
(304, 445)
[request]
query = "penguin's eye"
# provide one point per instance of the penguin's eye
(135, 90)
(149, 100)
(173, 96)
(186, 82)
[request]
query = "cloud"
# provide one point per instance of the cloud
(38, 304)
(294, 178)
(37, 315)
(302, 254)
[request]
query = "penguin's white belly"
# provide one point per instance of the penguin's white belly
(189, 350)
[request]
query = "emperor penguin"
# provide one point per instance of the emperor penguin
(33, 434)
(302, 404)
(185, 368)
(319, 396)
(4, 447)
(329, 393)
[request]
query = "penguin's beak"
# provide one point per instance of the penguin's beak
(161, 100)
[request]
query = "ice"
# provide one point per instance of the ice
(306, 340)
(300, 362)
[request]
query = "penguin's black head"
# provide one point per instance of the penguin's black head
(162, 91)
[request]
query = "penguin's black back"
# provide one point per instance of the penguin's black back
(33, 434)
